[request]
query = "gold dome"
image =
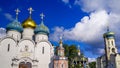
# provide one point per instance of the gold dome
(29, 23)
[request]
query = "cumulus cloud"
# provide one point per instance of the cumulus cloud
(95, 5)
(2, 32)
(8, 16)
(90, 28)
(91, 59)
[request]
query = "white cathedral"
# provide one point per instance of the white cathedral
(26, 45)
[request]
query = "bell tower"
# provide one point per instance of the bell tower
(110, 47)
(60, 48)
(60, 61)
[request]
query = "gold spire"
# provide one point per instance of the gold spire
(60, 39)
(78, 48)
(17, 12)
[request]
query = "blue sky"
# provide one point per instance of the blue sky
(81, 22)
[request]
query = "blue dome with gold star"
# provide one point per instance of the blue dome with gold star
(15, 25)
(42, 29)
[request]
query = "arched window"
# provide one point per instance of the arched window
(112, 43)
(113, 50)
(25, 65)
(108, 42)
(56, 65)
(62, 65)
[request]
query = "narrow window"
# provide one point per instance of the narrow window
(42, 50)
(12, 35)
(108, 42)
(56, 65)
(8, 48)
(62, 66)
(112, 43)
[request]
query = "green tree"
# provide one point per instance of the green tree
(71, 52)
(92, 65)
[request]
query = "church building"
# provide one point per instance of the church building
(60, 61)
(26, 45)
(111, 58)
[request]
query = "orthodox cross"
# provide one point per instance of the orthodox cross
(30, 11)
(42, 16)
(17, 12)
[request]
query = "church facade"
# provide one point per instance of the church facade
(26, 45)
(111, 58)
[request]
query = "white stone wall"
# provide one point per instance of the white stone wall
(28, 33)
(14, 34)
(26, 50)
(43, 54)
(40, 37)
(117, 61)
(5, 55)
(23, 45)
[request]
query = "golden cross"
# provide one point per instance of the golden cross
(17, 11)
(30, 10)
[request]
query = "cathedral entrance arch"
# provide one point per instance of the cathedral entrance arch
(25, 65)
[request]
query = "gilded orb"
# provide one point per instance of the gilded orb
(29, 23)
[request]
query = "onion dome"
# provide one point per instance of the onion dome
(29, 23)
(15, 25)
(109, 34)
(42, 29)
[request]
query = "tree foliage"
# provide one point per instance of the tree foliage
(70, 52)
(92, 65)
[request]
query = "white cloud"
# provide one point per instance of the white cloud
(101, 51)
(91, 59)
(2, 32)
(9, 16)
(88, 29)
(58, 31)
(95, 5)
